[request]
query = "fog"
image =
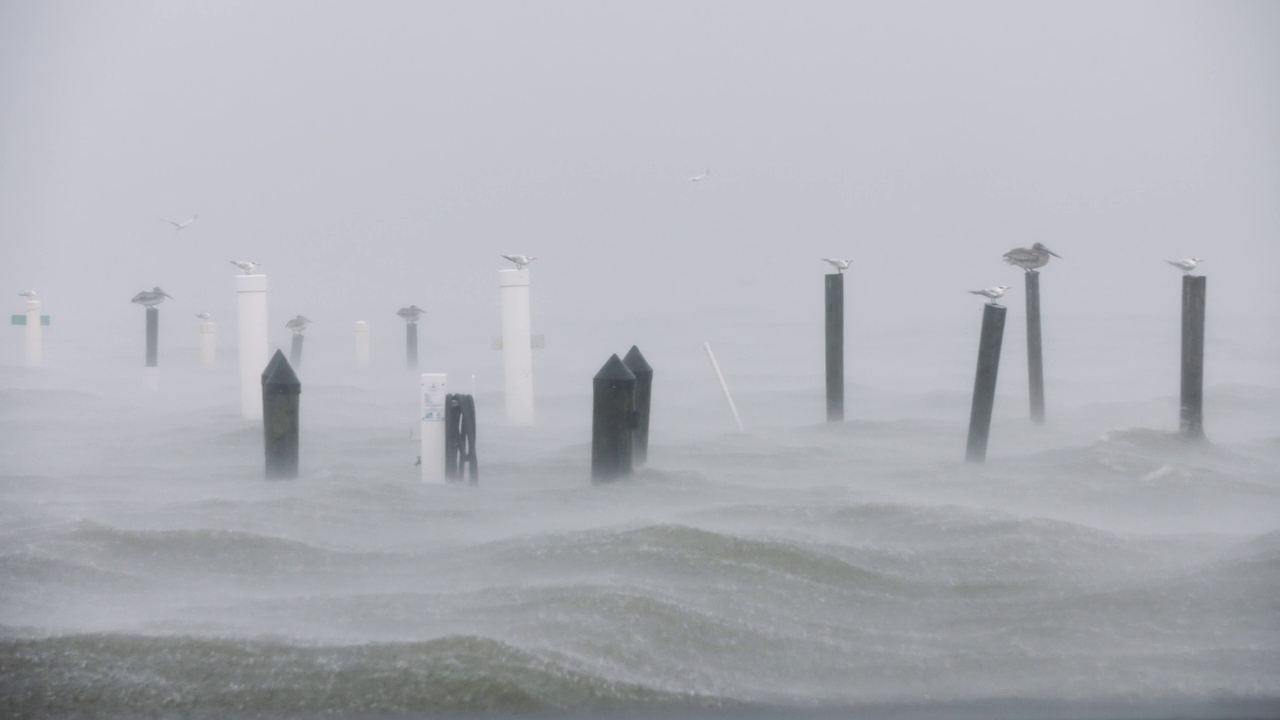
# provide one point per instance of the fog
(374, 155)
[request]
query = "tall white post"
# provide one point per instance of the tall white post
(34, 334)
(517, 345)
(251, 302)
(435, 386)
(362, 344)
(208, 344)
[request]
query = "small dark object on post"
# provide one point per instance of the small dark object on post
(280, 395)
(835, 346)
(639, 367)
(460, 439)
(984, 382)
(613, 419)
(153, 336)
(1191, 414)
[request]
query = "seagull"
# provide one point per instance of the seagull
(298, 324)
(204, 315)
(410, 314)
(151, 298)
(700, 176)
(246, 265)
(838, 264)
(179, 225)
(28, 294)
(1030, 258)
(520, 260)
(1187, 265)
(992, 293)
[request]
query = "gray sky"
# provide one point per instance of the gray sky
(376, 154)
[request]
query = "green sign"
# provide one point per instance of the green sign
(22, 319)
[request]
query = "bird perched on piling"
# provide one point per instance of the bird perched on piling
(151, 298)
(1186, 265)
(28, 294)
(1030, 258)
(180, 225)
(298, 324)
(701, 176)
(520, 260)
(247, 266)
(992, 293)
(410, 314)
(204, 315)
(838, 264)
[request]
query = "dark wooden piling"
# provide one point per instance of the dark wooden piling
(153, 337)
(280, 394)
(1191, 422)
(639, 367)
(1035, 353)
(295, 351)
(612, 421)
(984, 382)
(411, 345)
(835, 346)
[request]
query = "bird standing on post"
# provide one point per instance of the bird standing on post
(297, 325)
(992, 293)
(410, 314)
(1030, 258)
(151, 298)
(1186, 265)
(520, 260)
(246, 265)
(838, 264)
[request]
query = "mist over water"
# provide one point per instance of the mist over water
(377, 156)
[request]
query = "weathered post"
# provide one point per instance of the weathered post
(295, 350)
(984, 383)
(639, 367)
(153, 336)
(612, 421)
(280, 394)
(255, 352)
(835, 347)
(362, 344)
(411, 345)
(1035, 356)
(1192, 395)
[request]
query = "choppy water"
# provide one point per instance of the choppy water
(1086, 570)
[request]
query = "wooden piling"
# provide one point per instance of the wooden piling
(1035, 352)
(835, 346)
(280, 394)
(984, 382)
(153, 337)
(639, 367)
(612, 421)
(1191, 418)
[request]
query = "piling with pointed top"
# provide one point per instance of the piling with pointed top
(295, 351)
(835, 346)
(1191, 414)
(280, 394)
(984, 382)
(153, 337)
(1035, 353)
(639, 367)
(612, 421)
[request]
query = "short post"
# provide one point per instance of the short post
(251, 306)
(1035, 354)
(435, 396)
(153, 336)
(1191, 418)
(362, 344)
(411, 346)
(612, 421)
(35, 340)
(280, 394)
(295, 350)
(517, 345)
(984, 383)
(835, 347)
(208, 344)
(639, 367)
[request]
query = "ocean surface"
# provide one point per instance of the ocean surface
(1097, 566)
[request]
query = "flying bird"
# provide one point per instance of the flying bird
(247, 266)
(992, 293)
(1030, 258)
(180, 225)
(520, 260)
(1186, 265)
(700, 176)
(298, 324)
(28, 294)
(410, 314)
(838, 264)
(151, 298)
(204, 315)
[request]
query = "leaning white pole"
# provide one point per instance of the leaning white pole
(35, 352)
(435, 387)
(362, 344)
(724, 386)
(517, 345)
(251, 300)
(208, 344)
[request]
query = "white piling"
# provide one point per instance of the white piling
(151, 378)
(35, 336)
(208, 344)
(724, 386)
(517, 345)
(251, 302)
(362, 344)
(435, 387)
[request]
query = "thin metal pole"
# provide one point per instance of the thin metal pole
(724, 386)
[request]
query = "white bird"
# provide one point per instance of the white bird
(838, 264)
(298, 324)
(28, 294)
(700, 176)
(204, 315)
(410, 314)
(1185, 265)
(151, 298)
(992, 293)
(179, 225)
(247, 266)
(520, 260)
(1030, 258)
